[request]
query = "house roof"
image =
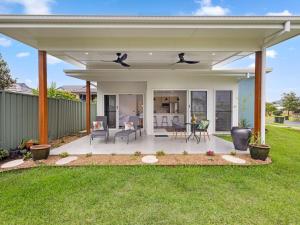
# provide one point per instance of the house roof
(77, 89)
(20, 88)
(151, 42)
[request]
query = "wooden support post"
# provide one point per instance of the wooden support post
(43, 102)
(88, 107)
(258, 93)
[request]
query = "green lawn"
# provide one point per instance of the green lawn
(159, 195)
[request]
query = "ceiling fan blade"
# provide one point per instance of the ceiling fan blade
(191, 62)
(124, 64)
(124, 57)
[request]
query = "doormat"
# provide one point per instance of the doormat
(161, 135)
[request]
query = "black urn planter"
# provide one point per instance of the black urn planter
(241, 138)
(260, 152)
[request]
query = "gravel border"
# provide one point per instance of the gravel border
(122, 160)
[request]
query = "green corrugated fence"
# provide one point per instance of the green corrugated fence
(19, 117)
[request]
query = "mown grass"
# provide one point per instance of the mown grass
(159, 195)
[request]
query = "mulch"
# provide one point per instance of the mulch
(121, 160)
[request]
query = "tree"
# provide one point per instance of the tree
(270, 108)
(6, 80)
(52, 92)
(290, 101)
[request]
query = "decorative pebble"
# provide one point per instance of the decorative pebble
(66, 160)
(149, 159)
(233, 159)
(13, 163)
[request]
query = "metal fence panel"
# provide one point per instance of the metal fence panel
(19, 117)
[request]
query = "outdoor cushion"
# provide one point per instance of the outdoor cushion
(203, 125)
(129, 126)
(98, 125)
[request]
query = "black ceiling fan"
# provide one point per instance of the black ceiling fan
(182, 60)
(120, 59)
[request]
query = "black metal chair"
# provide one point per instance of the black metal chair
(178, 127)
(100, 133)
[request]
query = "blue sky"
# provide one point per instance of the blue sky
(283, 58)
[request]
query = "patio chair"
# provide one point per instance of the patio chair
(136, 123)
(178, 127)
(203, 128)
(100, 133)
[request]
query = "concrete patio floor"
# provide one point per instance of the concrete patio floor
(146, 144)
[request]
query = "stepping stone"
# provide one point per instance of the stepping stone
(233, 159)
(13, 163)
(149, 159)
(66, 160)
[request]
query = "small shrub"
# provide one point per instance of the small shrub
(63, 154)
(27, 156)
(137, 153)
(185, 153)
(233, 152)
(210, 153)
(88, 154)
(113, 154)
(160, 153)
(22, 144)
(3, 153)
(244, 123)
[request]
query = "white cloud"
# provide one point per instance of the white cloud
(283, 13)
(270, 54)
(53, 60)
(40, 7)
(23, 54)
(5, 42)
(207, 9)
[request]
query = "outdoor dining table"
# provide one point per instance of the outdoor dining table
(193, 132)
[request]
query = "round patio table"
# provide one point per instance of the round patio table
(193, 132)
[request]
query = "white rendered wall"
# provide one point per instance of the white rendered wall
(168, 80)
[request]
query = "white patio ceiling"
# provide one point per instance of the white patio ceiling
(150, 42)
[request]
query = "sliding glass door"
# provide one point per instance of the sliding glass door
(223, 110)
(199, 104)
(111, 110)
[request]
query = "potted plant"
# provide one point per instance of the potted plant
(278, 118)
(257, 149)
(40, 151)
(241, 135)
(30, 143)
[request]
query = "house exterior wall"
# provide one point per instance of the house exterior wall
(146, 82)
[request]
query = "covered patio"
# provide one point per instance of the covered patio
(153, 45)
(146, 144)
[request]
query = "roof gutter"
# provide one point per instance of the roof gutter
(286, 28)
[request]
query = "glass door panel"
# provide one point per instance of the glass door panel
(199, 104)
(110, 110)
(223, 110)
